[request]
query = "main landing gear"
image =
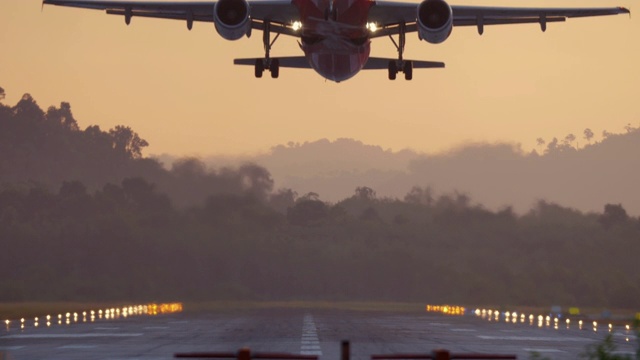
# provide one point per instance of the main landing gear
(273, 65)
(400, 65)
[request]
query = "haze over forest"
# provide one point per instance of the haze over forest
(85, 216)
(573, 170)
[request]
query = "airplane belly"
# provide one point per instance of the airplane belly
(337, 63)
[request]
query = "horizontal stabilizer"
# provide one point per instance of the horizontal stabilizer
(375, 63)
(296, 62)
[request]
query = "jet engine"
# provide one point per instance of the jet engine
(435, 21)
(231, 18)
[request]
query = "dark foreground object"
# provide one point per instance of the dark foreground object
(245, 354)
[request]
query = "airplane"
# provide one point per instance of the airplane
(335, 35)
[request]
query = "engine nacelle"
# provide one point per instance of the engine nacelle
(231, 18)
(435, 21)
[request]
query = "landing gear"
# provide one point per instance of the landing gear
(274, 68)
(259, 68)
(273, 65)
(400, 65)
(393, 70)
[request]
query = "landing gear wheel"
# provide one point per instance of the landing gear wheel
(408, 70)
(274, 68)
(393, 70)
(259, 68)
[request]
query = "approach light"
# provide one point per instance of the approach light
(297, 25)
(372, 27)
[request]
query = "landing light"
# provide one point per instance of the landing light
(372, 27)
(297, 25)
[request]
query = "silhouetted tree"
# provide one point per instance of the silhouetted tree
(126, 141)
(28, 110)
(613, 214)
(588, 135)
(308, 213)
(256, 180)
(282, 200)
(569, 139)
(418, 195)
(365, 193)
(62, 116)
(2, 94)
(310, 196)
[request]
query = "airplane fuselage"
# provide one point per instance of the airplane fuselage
(335, 39)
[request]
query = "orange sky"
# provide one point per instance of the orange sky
(180, 91)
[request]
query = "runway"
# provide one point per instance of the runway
(299, 331)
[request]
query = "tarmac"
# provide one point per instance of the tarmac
(299, 331)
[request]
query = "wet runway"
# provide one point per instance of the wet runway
(311, 332)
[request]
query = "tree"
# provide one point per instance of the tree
(28, 110)
(308, 213)
(613, 214)
(569, 139)
(588, 135)
(282, 200)
(2, 94)
(62, 116)
(126, 141)
(418, 195)
(552, 146)
(256, 180)
(365, 193)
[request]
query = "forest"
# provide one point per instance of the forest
(84, 216)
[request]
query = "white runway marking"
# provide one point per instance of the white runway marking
(106, 328)
(156, 327)
(70, 336)
(531, 338)
(9, 348)
(464, 330)
(309, 344)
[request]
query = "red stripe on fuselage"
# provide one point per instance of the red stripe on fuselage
(335, 39)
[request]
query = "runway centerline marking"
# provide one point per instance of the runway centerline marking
(309, 344)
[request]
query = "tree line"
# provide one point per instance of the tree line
(135, 231)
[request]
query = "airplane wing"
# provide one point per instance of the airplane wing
(388, 14)
(281, 12)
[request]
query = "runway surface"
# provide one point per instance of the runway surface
(312, 332)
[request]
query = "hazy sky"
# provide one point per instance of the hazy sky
(180, 90)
